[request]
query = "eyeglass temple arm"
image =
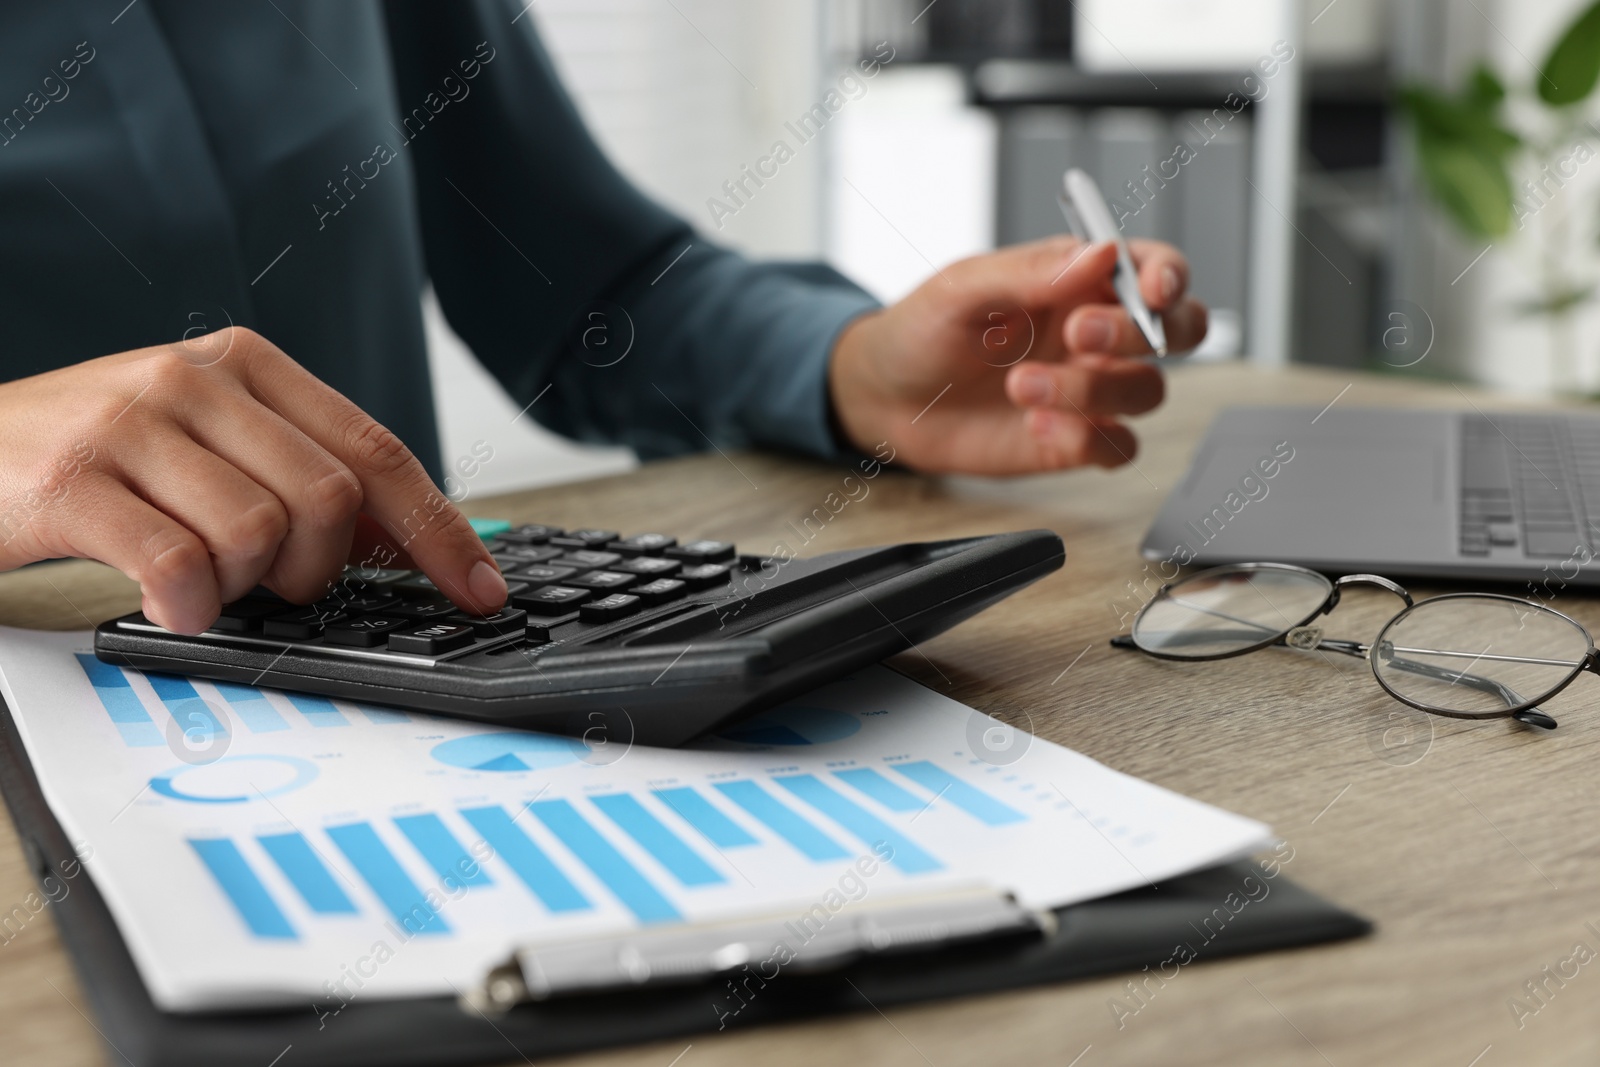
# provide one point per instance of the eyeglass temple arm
(1359, 650)
(1531, 716)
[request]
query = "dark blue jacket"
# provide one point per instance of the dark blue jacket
(305, 168)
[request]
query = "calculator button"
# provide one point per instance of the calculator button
(588, 559)
(605, 581)
(419, 585)
(704, 576)
(643, 544)
(552, 600)
(355, 603)
(650, 567)
(610, 607)
(425, 609)
(543, 574)
(585, 538)
(702, 552)
(356, 575)
(531, 533)
(365, 631)
(508, 621)
(244, 616)
(528, 553)
(432, 639)
(301, 625)
(660, 591)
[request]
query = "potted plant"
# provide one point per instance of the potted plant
(1470, 155)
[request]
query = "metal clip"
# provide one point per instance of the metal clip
(814, 942)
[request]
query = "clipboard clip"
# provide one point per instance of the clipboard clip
(810, 943)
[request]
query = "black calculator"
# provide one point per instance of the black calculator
(639, 639)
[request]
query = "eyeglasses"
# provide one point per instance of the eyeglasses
(1464, 655)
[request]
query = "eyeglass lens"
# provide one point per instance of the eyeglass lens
(1478, 656)
(1218, 612)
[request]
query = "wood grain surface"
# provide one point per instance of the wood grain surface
(1474, 846)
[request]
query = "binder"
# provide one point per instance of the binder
(980, 946)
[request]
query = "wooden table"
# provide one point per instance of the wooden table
(1476, 853)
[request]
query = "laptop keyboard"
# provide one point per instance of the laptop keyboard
(554, 577)
(1531, 481)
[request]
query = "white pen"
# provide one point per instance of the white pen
(1090, 219)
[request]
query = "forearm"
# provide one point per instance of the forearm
(723, 351)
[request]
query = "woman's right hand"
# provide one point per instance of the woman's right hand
(203, 468)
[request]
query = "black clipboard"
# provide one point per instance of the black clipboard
(1214, 913)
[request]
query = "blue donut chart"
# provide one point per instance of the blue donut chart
(167, 783)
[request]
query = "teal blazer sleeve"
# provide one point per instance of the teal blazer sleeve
(606, 312)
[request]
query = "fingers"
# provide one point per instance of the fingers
(319, 495)
(396, 491)
(1109, 328)
(1056, 271)
(372, 549)
(172, 565)
(1095, 386)
(1061, 440)
(240, 523)
(1163, 272)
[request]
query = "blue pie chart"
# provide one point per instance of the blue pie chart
(793, 724)
(507, 752)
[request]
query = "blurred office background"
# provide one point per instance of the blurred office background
(1301, 209)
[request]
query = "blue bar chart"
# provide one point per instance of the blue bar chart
(969, 798)
(648, 853)
(668, 849)
(622, 878)
(863, 824)
(781, 820)
(387, 878)
(310, 876)
(433, 839)
(879, 788)
(238, 880)
(121, 703)
(528, 860)
(143, 724)
(699, 813)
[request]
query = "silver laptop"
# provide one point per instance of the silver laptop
(1464, 495)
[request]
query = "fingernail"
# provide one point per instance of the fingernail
(1094, 334)
(486, 585)
(1169, 284)
(1034, 388)
(1044, 423)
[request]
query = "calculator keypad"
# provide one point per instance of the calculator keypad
(557, 580)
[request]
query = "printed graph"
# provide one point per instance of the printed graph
(149, 710)
(646, 852)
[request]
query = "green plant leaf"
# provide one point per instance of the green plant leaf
(1470, 183)
(1469, 120)
(1561, 301)
(1484, 89)
(1571, 70)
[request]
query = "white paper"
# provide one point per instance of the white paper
(274, 851)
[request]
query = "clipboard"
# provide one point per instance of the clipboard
(1230, 910)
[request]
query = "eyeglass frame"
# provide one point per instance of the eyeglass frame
(1526, 712)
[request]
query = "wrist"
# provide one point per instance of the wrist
(853, 392)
